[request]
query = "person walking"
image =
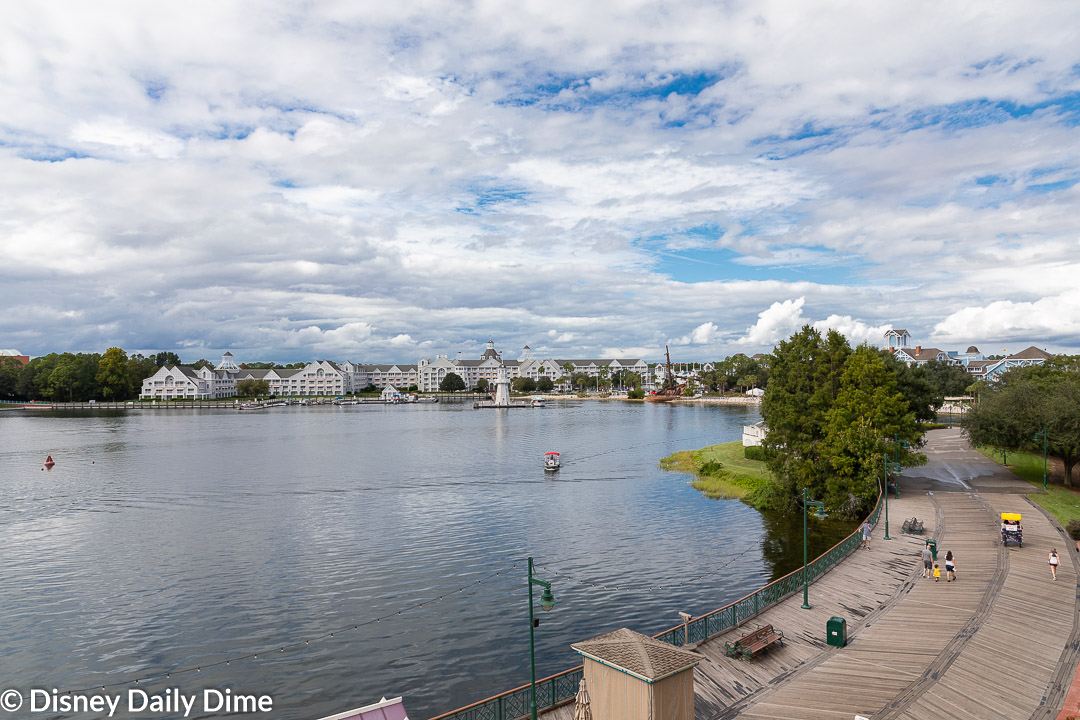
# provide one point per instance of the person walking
(1054, 562)
(927, 561)
(866, 528)
(950, 567)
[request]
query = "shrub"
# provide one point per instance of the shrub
(1073, 528)
(754, 452)
(636, 394)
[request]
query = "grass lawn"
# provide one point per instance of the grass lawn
(722, 471)
(1061, 502)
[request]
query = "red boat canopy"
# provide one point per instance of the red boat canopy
(551, 453)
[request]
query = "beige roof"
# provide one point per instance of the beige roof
(1032, 353)
(640, 655)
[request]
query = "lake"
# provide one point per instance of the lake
(173, 539)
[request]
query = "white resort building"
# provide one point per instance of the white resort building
(325, 377)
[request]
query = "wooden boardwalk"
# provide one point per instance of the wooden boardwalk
(1002, 641)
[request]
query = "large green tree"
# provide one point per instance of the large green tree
(252, 388)
(868, 413)
(112, 377)
(1011, 412)
(9, 377)
(452, 383)
(805, 376)
(162, 359)
(832, 413)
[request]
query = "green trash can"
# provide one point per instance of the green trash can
(932, 544)
(836, 631)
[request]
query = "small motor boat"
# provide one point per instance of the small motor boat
(552, 461)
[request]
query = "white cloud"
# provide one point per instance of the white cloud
(1050, 318)
(308, 181)
(779, 321)
(704, 334)
(856, 331)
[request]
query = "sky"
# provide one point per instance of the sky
(372, 182)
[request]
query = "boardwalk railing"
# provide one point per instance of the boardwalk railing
(561, 688)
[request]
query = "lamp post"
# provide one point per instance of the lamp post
(547, 601)
(1042, 434)
(819, 512)
(895, 467)
(898, 444)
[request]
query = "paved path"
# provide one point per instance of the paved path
(999, 642)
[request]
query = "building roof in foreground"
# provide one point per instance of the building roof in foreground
(640, 655)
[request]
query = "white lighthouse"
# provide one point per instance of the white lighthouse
(502, 387)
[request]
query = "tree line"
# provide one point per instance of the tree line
(1029, 404)
(835, 415)
(79, 377)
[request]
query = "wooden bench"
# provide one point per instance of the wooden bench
(746, 647)
(913, 526)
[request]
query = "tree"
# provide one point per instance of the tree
(166, 358)
(9, 376)
(452, 383)
(138, 369)
(201, 363)
(545, 384)
(794, 408)
(482, 385)
(252, 388)
(832, 414)
(1025, 401)
(523, 384)
(112, 378)
(868, 412)
(913, 383)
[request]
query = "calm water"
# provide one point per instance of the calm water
(170, 539)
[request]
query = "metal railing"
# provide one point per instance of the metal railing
(561, 688)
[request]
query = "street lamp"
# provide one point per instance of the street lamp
(895, 467)
(1042, 434)
(547, 601)
(819, 512)
(898, 444)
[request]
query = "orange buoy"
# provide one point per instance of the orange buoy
(49, 462)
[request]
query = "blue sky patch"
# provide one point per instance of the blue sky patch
(491, 199)
(548, 92)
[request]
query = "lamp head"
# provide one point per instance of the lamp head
(547, 600)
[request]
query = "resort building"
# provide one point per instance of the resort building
(176, 382)
(431, 372)
(977, 364)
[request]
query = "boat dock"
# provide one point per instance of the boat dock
(1001, 641)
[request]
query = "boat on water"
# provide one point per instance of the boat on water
(538, 402)
(552, 461)
(263, 405)
(346, 402)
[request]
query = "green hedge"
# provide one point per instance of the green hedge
(754, 452)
